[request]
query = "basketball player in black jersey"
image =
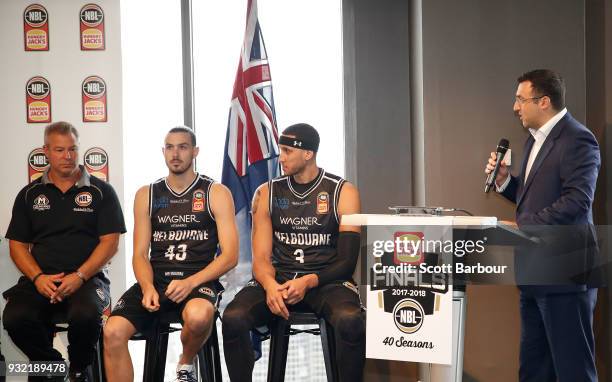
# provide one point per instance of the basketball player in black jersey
(302, 258)
(182, 218)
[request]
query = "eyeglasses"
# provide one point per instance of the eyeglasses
(521, 101)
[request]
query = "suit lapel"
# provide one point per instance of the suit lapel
(549, 143)
(528, 146)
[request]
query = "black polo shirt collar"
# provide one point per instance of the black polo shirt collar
(84, 180)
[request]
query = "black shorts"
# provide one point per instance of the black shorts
(130, 306)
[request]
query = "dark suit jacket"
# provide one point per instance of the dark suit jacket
(555, 203)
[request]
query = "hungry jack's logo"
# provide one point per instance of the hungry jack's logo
(92, 27)
(198, 202)
(411, 250)
(38, 100)
(36, 28)
(94, 99)
(322, 203)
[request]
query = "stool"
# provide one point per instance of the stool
(97, 372)
(281, 329)
(209, 363)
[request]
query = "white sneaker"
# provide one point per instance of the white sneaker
(185, 373)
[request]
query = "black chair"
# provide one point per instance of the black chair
(2, 366)
(96, 372)
(281, 330)
(209, 363)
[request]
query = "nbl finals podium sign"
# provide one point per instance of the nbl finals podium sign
(408, 264)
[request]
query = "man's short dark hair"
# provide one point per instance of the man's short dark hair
(61, 127)
(546, 82)
(187, 130)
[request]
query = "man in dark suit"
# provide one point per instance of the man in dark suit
(554, 193)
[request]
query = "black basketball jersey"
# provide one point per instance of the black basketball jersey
(184, 236)
(305, 225)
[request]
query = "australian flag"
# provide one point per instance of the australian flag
(251, 144)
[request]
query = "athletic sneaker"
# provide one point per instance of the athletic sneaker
(186, 376)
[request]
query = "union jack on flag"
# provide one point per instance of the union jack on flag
(251, 148)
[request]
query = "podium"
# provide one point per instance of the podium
(422, 321)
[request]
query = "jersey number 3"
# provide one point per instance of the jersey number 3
(299, 255)
(181, 252)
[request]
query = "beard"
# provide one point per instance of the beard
(181, 169)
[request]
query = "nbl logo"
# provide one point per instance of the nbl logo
(83, 199)
(94, 87)
(92, 27)
(92, 15)
(36, 28)
(408, 316)
(95, 159)
(96, 163)
(38, 88)
(35, 16)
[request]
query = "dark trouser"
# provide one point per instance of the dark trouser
(27, 319)
(557, 342)
(338, 303)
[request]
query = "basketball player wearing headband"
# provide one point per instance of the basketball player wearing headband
(179, 222)
(302, 258)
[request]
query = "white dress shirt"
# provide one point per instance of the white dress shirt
(539, 135)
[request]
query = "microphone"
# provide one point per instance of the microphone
(502, 147)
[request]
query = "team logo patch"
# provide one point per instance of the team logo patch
(207, 291)
(408, 316)
(83, 199)
(37, 164)
(322, 203)
(38, 100)
(96, 163)
(41, 203)
(101, 294)
(198, 202)
(36, 28)
(351, 286)
(119, 305)
(94, 99)
(92, 27)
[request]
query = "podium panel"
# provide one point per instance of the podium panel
(413, 311)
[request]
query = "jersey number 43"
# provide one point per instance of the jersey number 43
(180, 255)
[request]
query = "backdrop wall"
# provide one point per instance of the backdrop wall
(65, 66)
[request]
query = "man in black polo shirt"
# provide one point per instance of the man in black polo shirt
(64, 229)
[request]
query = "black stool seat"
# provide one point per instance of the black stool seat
(281, 330)
(209, 363)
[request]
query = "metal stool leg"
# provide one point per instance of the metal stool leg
(155, 354)
(205, 362)
(216, 355)
(329, 350)
(279, 345)
(99, 374)
(162, 350)
(209, 365)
